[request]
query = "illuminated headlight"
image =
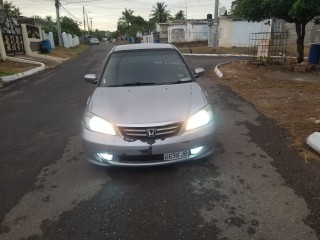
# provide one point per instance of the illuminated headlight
(200, 118)
(97, 124)
(106, 156)
(194, 151)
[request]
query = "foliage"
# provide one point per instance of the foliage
(126, 19)
(159, 12)
(11, 9)
(68, 25)
(180, 15)
(129, 25)
(299, 12)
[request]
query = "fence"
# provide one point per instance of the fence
(69, 41)
(268, 47)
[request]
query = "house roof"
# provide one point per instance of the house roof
(191, 21)
(232, 18)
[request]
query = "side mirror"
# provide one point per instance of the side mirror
(91, 78)
(198, 72)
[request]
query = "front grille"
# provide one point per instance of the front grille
(152, 132)
(141, 158)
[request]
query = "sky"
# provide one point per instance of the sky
(104, 14)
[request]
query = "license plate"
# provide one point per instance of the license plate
(175, 155)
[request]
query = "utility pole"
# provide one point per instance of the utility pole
(91, 24)
(88, 24)
(84, 21)
(216, 24)
(57, 4)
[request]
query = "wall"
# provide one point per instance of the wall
(176, 33)
(197, 32)
(312, 33)
(31, 38)
(237, 33)
(226, 34)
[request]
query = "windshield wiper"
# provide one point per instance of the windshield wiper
(132, 84)
(177, 82)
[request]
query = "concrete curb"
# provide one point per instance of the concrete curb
(217, 71)
(314, 141)
(23, 74)
(47, 57)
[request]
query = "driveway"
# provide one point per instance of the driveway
(49, 191)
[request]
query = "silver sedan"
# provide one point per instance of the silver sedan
(147, 109)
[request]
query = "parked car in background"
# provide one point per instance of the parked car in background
(147, 109)
(94, 41)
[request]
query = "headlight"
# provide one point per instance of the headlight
(200, 118)
(98, 124)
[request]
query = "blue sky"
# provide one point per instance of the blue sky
(105, 13)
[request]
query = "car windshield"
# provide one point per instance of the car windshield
(149, 67)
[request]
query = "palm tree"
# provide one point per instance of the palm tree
(126, 19)
(159, 12)
(180, 15)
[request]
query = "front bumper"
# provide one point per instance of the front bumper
(140, 153)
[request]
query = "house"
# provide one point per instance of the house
(235, 32)
(191, 30)
(20, 36)
(162, 29)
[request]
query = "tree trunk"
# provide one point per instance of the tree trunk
(301, 32)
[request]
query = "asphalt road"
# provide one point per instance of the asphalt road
(253, 187)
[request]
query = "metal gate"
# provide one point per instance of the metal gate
(12, 37)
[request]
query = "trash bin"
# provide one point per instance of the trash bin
(45, 46)
(314, 54)
(157, 41)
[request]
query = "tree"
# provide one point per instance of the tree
(180, 15)
(126, 18)
(299, 12)
(159, 12)
(68, 25)
(11, 9)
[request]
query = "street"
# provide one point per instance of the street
(252, 187)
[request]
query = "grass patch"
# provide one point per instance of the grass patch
(63, 52)
(8, 67)
(6, 72)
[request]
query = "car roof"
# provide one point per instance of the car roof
(143, 46)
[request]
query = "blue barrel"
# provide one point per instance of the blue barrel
(314, 54)
(45, 46)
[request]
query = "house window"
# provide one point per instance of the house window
(277, 25)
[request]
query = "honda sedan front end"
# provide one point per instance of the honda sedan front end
(147, 110)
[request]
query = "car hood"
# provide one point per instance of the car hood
(147, 104)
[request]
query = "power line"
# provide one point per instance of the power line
(74, 17)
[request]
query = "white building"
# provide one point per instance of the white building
(235, 32)
(191, 30)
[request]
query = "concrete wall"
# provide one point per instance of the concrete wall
(312, 33)
(197, 32)
(237, 33)
(176, 33)
(31, 42)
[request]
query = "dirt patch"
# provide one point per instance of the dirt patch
(291, 99)
(9, 67)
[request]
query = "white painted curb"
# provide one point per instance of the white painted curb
(314, 141)
(217, 71)
(17, 76)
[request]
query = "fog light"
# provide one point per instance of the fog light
(106, 156)
(194, 151)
